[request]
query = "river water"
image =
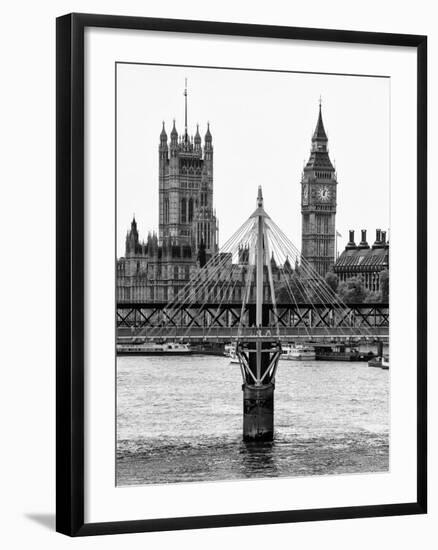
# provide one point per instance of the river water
(179, 419)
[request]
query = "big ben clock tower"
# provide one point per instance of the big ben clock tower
(318, 204)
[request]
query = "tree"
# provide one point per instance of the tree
(332, 280)
(373, 297)
(384, 285)
(292, 292)
(352, 291)
(282, 295)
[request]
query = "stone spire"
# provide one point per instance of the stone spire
(134, 226)
(174, 135)
(208, 147)
(163, 143)
(319, 134)
(319, 138)
(163, 135)
(208, 134)
(197, 139)
(319, 157)
(132, 243)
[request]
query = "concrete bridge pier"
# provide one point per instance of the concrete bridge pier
(258, 412)
(261, 359)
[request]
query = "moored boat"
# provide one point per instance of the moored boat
(230, 351)
(298, 352)
(152, 348)
(339, 352)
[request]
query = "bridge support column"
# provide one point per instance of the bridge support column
(259, 361)
(258, 412)
(379, 348)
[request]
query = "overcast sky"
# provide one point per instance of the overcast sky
(262, 124)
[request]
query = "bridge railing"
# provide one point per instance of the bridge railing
(133, 335)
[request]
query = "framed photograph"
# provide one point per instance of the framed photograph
(241, 274)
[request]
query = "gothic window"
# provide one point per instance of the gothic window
(166, 210)
(190, 209)
(175, 272)
(183, 211)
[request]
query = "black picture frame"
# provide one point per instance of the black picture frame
(70, 273)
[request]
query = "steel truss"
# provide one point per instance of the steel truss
(227, 315)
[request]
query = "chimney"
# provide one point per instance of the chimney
(379, 242)
(385, 244)
(351, 244)
(363, 243)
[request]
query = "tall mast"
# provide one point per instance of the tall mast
(259, 268)
(185, 112)
(259, 281)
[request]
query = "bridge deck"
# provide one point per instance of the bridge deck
(252, 334)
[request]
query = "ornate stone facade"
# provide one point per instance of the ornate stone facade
(152, 273)
(364, 260)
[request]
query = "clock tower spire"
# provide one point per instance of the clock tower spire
(318, 203)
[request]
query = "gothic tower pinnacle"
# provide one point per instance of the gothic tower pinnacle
(319, 138)
(186, 213)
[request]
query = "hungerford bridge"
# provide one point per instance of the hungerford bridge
(258, 325)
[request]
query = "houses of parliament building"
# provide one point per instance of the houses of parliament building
(156, 269)
(187, 238)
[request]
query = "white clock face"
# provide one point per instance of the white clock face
(324, 193)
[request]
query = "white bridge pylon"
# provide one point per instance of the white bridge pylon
(259, 257)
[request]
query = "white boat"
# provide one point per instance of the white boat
(230, 351)
(298, 352)
(234, 358)
(152, 348)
